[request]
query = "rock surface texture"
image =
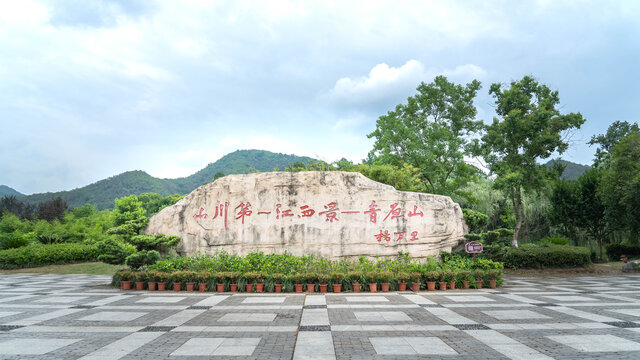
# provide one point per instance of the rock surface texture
(332, 214)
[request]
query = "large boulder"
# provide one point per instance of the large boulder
(631, 266)
(332, 214)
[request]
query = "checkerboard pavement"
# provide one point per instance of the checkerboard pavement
(78, 317)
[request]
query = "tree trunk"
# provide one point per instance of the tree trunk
(518, 209)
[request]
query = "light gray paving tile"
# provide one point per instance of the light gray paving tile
(44, 317)
(122, 347)
(78, 329)
(212, 300)
(161, 299)
(596, 343)
(264, 300)
(16, 298)
(429, 346)
(311, 317)
(113, 316)
(35, 346)
(469, 298)
(632, 312)
(506, 345)
(198, 347)
(314, 345)
(570, 298)
(254, 317)
(108, 300)
(61, 299)
(396, 316)
(9, 313)
(179, 318)
(315, 300)
(581, 314)
(417, 299)
(449, 316)
(370, 298)
(515, 314)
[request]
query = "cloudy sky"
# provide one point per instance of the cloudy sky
(90, 89)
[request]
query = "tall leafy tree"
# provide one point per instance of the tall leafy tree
(590, 206)
(616, 132)
(529, 127)
(431, 132)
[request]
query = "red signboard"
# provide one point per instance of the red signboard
(473, 247)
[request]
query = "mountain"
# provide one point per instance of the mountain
(104, 192)
(572, 171)
(7, 191)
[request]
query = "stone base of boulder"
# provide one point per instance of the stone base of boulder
(631, 266)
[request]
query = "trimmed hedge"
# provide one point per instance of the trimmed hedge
(615, 250)
(540, 257)
(40, 255)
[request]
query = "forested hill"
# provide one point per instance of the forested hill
(7, 191)
(104, 192)
(572, 171)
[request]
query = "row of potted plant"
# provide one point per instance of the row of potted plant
(337, 281)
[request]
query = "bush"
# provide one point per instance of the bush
(12, 241)
(474, 219)
(536, 257)
(555, 240)
(615, 250)
(142, 258)
(40, 255)
(114, 251)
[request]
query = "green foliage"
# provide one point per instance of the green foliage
(154, 242)
(529, 128)
(40, 255)
(570, 170)
(617, 131)
(555, 240)
(114, 251)
(431, 133)
(539, 257)
(614, 251)
(152, 203)
(142, 258)
(475, 220)
(12, 241)
(51, 209)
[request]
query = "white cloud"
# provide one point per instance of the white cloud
(23, 13)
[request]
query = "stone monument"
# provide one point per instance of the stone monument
(331, 214)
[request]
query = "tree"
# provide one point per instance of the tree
(528, 128)
(564, 210)
(590, 207)
(431, 133)
(128, 217)
(51, 209)
(616, 132)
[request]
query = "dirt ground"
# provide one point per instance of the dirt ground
(610, 268)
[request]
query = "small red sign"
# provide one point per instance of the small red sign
(473, 247)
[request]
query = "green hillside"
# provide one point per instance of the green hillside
(103, 192)
(7, 191)
(572, 171)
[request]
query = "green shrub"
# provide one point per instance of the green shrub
(12, 241)
(40, 255)
(536, 257)
(113, 251)
(615, 250)
(555, 240)
(159, 242)
(141, 259)
(474, 219)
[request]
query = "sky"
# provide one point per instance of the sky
(90, 89)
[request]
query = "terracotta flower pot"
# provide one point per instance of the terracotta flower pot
(356, 287)
(277, 288)
(384, 287)
(465, 284)
(479, 284)
(152, 285)
(125, 285)
(337, 288)
(233, 287)
(493, 283)
(260, 287)
(442, 285)
(139, 285)
(402, 286)
(298, 287)
(177, 286)
(415, 286)
(431, 285)
(452, 285)
(162, 286)
(202, 287)
(323, 287)
(311, 287)
(190, 286)
(373, 287)
(220, 287)
(248, 288)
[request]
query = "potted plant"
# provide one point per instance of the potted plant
(450, 278)
(217, 281)
(442, 282)
(479, 276)
(161, 278)
(277, 280)
(190, 280)
(176, 279)
(139, 277)
(312, 279)
(249, 277)
(355, 279)
(298, 280)
(151, 280)
(336, 279)
(203, 278)
(416, 278)
(492, 276)
(260, 277)
(384, 277)
(402, 278)
(323, 282)
(372, 280)
(232, 278)
(430, 278)
(125, 279)
(464, 276)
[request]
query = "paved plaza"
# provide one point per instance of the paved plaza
(71, 317)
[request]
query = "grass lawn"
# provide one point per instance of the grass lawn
(92, 268)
